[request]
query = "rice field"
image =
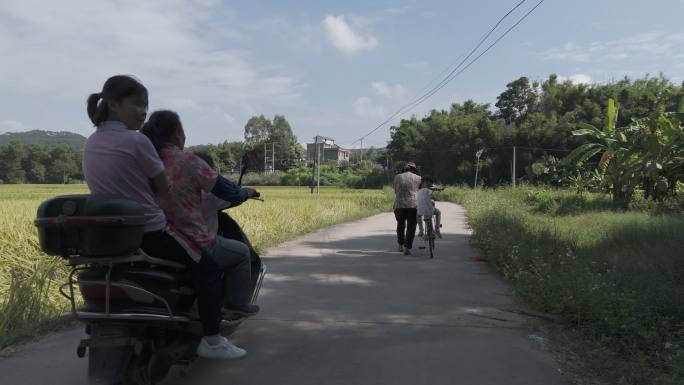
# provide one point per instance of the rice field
(29, 279)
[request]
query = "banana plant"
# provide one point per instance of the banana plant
(618, 162)
(661, 143)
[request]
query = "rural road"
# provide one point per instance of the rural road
(342, 306)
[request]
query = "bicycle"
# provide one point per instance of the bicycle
(429, 237)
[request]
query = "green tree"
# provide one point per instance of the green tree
(538, 118)
(660, 143)
(34, 163)
(228, 154)
(275, 136)
(62, 164)
(519, 98)
(11, 158)
(444, 143)
(288, 151)
(257, 131)
(618, 162)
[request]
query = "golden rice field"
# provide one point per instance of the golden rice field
(29, 298)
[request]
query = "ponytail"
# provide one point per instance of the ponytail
(97, 111)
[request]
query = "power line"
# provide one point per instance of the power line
(483, 52)
(455, 72)
(472, 50)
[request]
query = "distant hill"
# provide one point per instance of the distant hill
(45, 138)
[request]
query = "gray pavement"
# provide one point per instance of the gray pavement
(342, 306)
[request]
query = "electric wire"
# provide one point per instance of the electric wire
(455, 72)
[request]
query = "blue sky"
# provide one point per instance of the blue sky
(332, 68)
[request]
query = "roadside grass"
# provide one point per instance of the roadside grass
(29, 279)
(616, 277)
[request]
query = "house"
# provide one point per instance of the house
(328, 150)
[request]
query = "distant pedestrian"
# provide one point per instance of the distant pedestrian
(406, 187)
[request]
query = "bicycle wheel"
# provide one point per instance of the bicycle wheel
(424, 236)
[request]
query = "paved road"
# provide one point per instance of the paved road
(342, 306)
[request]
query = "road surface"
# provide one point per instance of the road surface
(342, 306)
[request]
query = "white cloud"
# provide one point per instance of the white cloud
(344, 38)
(577, 79)
(400, 10)
(677, 37)
(649, 45)
(616, 56)
(68, 49)
(388, 90)
(294, 34)
(364, 107)
(182, 104)
(11, 125)
(570, 55)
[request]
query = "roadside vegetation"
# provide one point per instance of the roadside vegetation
(614, 276)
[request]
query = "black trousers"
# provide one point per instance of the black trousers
(207, 276)
(406, 226)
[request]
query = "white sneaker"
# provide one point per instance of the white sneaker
(221, 351)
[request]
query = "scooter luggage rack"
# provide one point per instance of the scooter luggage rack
(110, 262)
(138, 256)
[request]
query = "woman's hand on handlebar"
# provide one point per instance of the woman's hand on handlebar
(252, 193)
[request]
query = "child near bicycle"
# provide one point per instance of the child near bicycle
(426, 206)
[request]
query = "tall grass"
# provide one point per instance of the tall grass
(618, 277)
(29, 279)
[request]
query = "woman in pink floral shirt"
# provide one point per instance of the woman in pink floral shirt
(189, 177)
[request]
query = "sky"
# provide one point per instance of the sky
(332, 68)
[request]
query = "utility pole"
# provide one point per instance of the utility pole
(361, 152)
(313, 163)
(387, 168)
(513, 171)
(318, 176)
(272, 157)
(477, 167)
(265, 157)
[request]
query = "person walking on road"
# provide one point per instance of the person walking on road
(406, 187)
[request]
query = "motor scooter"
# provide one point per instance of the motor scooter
(139, 311)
